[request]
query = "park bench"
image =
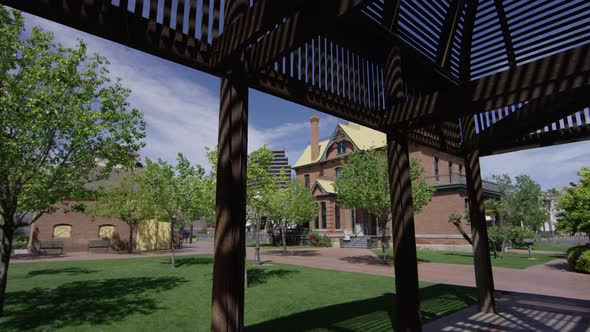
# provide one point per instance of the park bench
(53, 244)
(93, 244)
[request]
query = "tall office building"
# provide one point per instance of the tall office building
(280, 162)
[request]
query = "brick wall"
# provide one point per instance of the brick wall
(84, 228)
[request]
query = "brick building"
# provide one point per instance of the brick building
(75, 229)
(321, 162)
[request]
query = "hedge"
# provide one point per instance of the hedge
(578, 258)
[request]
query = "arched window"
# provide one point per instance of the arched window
(106, 231)
(62, 231)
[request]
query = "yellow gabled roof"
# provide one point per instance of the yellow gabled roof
(305, 157)
(327, 185)
(364, 138)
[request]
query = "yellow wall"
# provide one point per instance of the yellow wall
(153, 235)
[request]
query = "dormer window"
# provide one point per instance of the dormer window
(341, 147)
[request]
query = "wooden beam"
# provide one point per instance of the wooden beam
(448, 32)
(391, 13)
(102, 19)
(537, 140)
(558, 73)
(466, 40)
(299, 28)
(536, 114)
(505, 33)
(256, 21)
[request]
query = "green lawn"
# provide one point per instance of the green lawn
(510, 259)
(145, 294)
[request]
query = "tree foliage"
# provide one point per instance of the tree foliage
(60, 111)
(364, 184)
(521, 203)
(575, 206)
(128, 200)
(181, 193)
(289, 205)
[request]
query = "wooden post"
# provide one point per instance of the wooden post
(484, 278)
(227, 312)
(402, 207)
(404, 237)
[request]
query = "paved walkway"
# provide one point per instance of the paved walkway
(551, 279)
(520, 312)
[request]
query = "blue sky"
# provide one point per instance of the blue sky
(180, 106)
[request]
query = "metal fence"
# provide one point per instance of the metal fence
(209, 237)
(563, 239)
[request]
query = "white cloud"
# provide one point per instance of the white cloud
(182, 114)
(550, 166)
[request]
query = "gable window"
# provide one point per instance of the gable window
(436, 175)
(62, 231)
(323, 212)
(338, 171)
(341, 147)
(306, 179)
(106, 231)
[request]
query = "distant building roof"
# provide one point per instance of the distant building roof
(362, 137)
(326, 185)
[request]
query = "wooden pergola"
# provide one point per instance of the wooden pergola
(471, 78)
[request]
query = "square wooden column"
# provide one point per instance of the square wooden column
(229, 264)
(402, 207)
(484, 278)
(227, 312)
(404, 235)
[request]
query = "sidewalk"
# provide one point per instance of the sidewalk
(551, 279)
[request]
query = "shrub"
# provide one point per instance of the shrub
(316, 240)
(495, 238)
(578, 258)
(516, 235)
(20, 242)
(203, 230)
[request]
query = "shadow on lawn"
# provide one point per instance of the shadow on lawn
(189, 261)
(259, 276)
(373, 314)
(83, 302)
(70, 271)
(305, 253)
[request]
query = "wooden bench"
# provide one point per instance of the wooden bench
(93, 244)
(53, 244)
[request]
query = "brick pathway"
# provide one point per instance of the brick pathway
(551, 279)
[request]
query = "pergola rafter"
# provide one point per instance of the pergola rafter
(470, 78)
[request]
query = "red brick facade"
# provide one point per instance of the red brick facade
(432, 226)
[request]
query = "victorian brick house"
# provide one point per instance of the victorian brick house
(321, 162)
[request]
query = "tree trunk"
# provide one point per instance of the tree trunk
(6, 248)
(257, 250)
(130, 248)
(383, 239)
(284, 238)
(460, 229)
(190, 236)
(172, 243)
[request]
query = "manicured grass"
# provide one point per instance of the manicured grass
(145, 294)
(510, 260)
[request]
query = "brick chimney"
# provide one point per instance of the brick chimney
(314, 123)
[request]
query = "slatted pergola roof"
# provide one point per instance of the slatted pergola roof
(470, 78)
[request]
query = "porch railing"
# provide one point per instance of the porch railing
(450, 179)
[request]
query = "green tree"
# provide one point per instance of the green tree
(364, 184)
(288, 205)
(127, 200)
(181, 193)
(261, 185)
(575, 206)
(59, 112)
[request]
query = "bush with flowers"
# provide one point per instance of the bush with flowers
(317, 240)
